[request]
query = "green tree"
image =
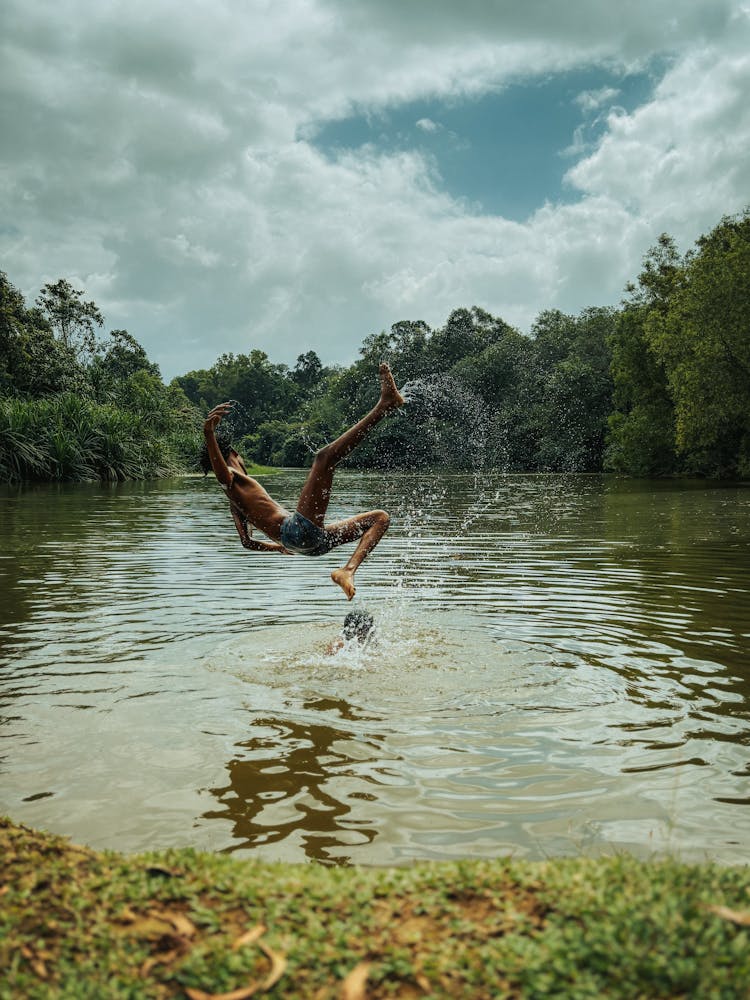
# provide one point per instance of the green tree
(702, 340)
(117, 360)
(681, 360)
(308, 372)
(641, 434)
(408, 343)
(263, 390)
(466, 332)
(32, 362)
(72, 319)
(574, 389)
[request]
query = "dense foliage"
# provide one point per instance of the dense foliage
(481, 392)
(73, 407)
(659, 386)
(681, 360)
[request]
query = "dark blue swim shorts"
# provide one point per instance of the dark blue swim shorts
(300, 535)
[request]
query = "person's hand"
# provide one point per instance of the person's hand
(216, 415)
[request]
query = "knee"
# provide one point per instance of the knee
(383, 518)
(322, 457)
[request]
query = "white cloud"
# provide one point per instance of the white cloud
(428, 125)
(159, 156)
(683, 159)
(592, 100)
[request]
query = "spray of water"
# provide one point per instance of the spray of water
(458, 421)
(451, 423)
(400, 644)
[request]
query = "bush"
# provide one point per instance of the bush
(70, 438)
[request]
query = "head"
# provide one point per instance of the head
(358, 625)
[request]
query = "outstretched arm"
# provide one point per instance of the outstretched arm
(218, 464)
(225, 475)
(244, 531)
(266, 547)
(243, 528)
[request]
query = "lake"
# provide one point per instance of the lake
(560, 666)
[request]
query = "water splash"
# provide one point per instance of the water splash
(237, 423)
(455, 419)
(457, 422)
(404, 648)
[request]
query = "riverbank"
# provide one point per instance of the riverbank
(80, 923)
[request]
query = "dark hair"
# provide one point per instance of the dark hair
(358, 624)
(224, 441)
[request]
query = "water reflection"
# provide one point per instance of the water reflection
(286, 786)
(562, 664)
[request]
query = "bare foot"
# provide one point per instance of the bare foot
(390, 397)
(345, 579)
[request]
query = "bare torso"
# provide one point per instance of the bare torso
(260, 509)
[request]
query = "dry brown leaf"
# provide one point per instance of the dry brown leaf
(353, 986)
(127, 916)
(163, 959)
(180, 923)
(241, 994)
(155, 923)
(423, 982)
(278, 966)
(39, 968)
(4, 889)
(741, 917)
(249, 937)
(149, 925)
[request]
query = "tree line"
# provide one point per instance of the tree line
(657, 386)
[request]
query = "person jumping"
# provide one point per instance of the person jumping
(303, 532)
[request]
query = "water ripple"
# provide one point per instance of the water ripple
(562, 665)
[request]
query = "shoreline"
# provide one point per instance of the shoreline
(252, 468)
(76, 922)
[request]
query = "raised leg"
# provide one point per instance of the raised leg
(316, 493)
(369, 528)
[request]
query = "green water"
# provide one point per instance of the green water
(561, 666)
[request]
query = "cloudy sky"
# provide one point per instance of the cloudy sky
(295, 174)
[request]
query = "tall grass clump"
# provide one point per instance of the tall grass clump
(185, 443)
(71, 438)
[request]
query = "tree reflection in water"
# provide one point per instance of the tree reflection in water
(280, 785)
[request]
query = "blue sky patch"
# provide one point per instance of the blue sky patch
(506, 152)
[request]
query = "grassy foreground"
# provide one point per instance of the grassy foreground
(79, 923)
